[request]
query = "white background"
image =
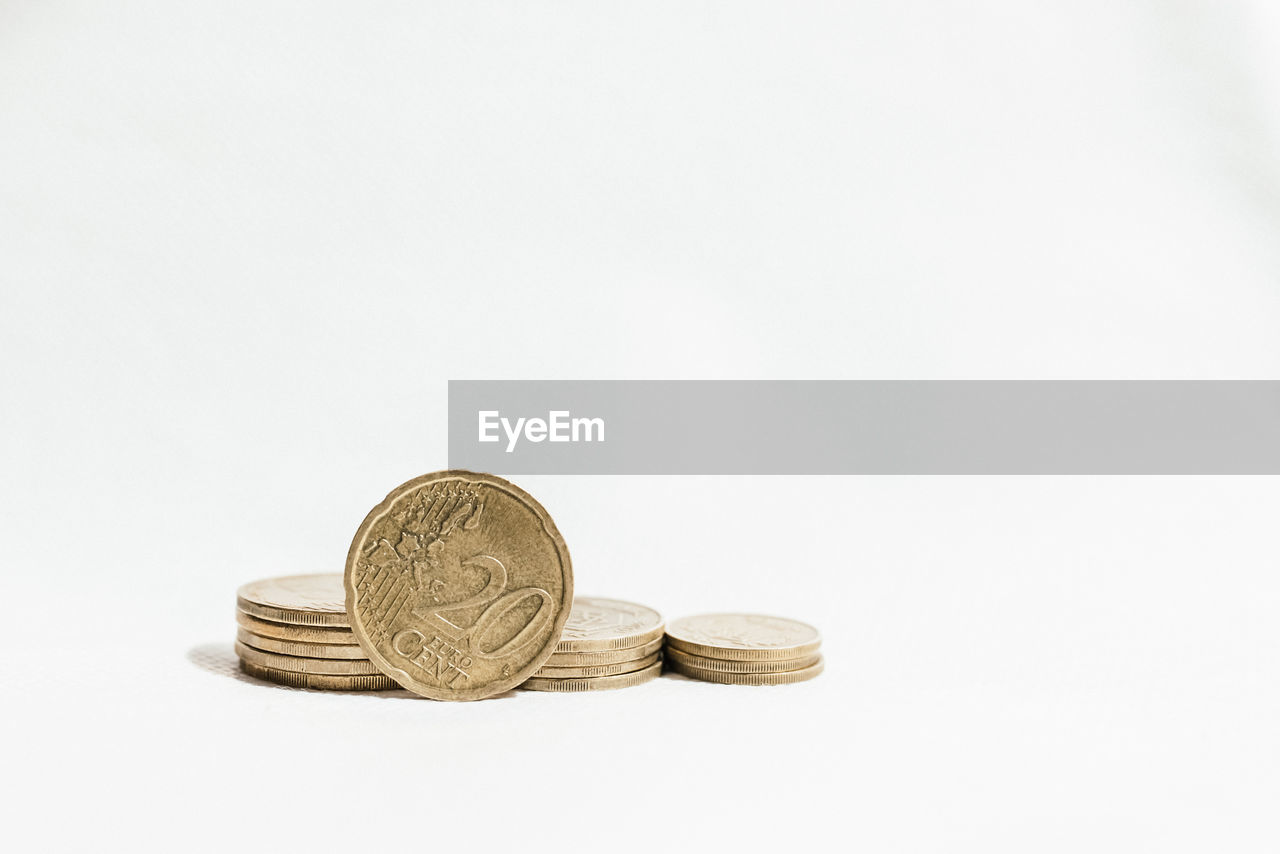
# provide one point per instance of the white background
(244, 245)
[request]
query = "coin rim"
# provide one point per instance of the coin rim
(294, 632)
(594, 683)
(725, 665)
(617, 641)
(787, 677)
(341, 652)
(742, 653)
(296, 616)
(609, 656)
(319, 681)
(301, 664)
(479, 692)
(595, 670)
(612, 643)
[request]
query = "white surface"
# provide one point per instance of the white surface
(244, 245)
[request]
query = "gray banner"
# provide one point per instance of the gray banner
(865, 427)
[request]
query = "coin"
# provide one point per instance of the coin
(375, 682)
(308, 600)
(611, 656)
(548, 672)
(725, 665)
(784, 678)
(299, 664)
(295, 633)
(351, 651)
(743, 637)
(597, 683)
(458, 585)
(597, 625)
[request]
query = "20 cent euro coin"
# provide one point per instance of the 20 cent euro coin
(458, 585)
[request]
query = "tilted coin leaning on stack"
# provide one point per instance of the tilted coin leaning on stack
(743, 649)
(458, 587)
(293, 630)
(606, 644)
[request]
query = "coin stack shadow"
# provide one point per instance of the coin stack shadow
(606, 643)
(294, 631)
(743, 649)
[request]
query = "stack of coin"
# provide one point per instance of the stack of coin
(294, 631)
(605, 644)
(743, 649)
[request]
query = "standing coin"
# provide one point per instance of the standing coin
(743, 637)
(458, 585)
(307, 600)
(596, 625)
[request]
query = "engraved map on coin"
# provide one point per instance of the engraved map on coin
(458, 585)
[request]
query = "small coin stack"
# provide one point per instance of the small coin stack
(743, 649)
(294, 630)
(606, 644)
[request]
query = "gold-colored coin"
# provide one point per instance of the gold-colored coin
(306, 600)
(458, 585)
(784, 678)
(318, 681)
(612, 656)
(351, 651)
(743, 637)
(295, 633)
(596, 683)
(547, 672)
(598, 625)
(724, 665)
(298, 664)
